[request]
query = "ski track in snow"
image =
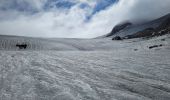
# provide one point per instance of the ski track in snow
(97, 69)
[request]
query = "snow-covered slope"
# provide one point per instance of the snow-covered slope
(9, 43)
(76, 69)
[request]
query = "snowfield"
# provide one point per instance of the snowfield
(77, 69)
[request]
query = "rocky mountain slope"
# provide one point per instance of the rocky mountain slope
(118, 28)
(152, 28)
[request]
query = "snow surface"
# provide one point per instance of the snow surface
(77, 69)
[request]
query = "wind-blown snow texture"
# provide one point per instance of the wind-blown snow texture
(74, 69)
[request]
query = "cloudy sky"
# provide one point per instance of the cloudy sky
(74, 18)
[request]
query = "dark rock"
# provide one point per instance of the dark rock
(145, 33)
(12, 56)
(155, 46)
(135, 49)
(117, 38)
(162, 39)
(21, 46)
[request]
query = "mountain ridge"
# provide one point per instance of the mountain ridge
(132, 28)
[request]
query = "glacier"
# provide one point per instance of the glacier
(85, 69)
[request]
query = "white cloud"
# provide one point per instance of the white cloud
(71, 23)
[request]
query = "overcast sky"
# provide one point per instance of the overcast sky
(74, 18)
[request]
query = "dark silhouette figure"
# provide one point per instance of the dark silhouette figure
(21, 46)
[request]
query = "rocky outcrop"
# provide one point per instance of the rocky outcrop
(155, 46)
(118, 28)
(117, 38)
(162, 29)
